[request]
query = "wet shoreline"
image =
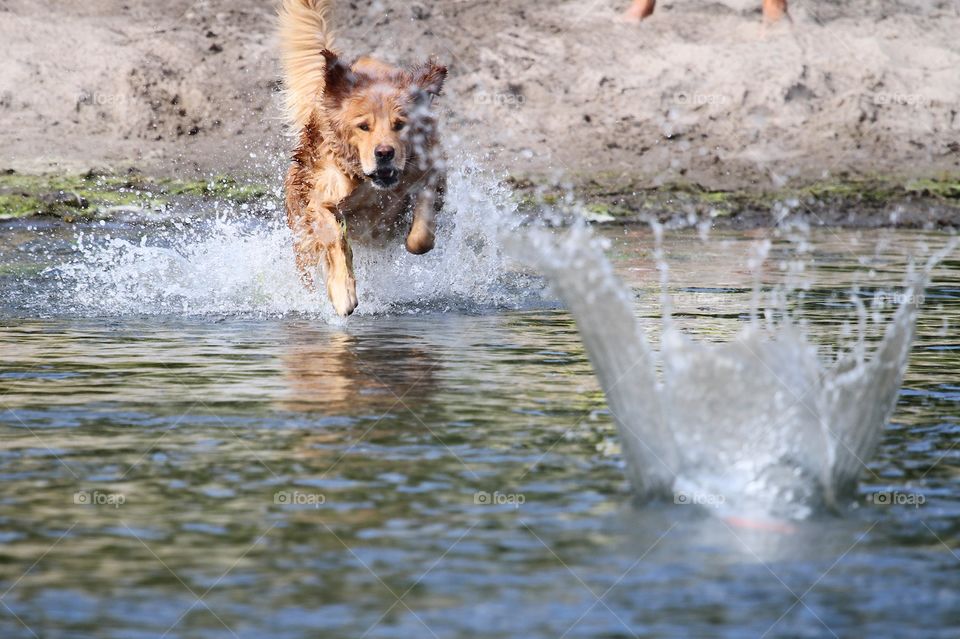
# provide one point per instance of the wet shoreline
(881, 202)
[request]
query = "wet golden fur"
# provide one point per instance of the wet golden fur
(366, 153)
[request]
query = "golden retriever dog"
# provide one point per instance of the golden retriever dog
(367, 158)
(773, 10)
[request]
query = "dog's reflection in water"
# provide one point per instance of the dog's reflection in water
(342, 374)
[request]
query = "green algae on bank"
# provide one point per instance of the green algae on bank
(98, 196)
(877, 201)
(870, 202)
(15, 205)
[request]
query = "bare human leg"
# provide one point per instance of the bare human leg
(774, 10)
(640, 10)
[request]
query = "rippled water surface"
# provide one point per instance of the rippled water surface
(435, 474)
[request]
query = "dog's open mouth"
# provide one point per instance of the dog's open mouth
(385, 178)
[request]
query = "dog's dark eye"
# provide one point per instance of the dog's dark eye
(399, 126)
(363, 127)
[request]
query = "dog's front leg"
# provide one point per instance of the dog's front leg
(327, 233)
(305, 247)
(426, 206)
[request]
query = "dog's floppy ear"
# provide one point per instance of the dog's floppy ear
(339, 78)
(429, 78)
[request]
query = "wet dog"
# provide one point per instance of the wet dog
(366, 159)
(773, 10)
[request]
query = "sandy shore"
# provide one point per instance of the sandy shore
(700, 94)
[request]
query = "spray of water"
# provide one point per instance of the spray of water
(235, 264)
(765, 421)
(762, 424)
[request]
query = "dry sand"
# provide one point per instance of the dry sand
(700, 93)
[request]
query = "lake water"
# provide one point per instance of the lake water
(442, 470)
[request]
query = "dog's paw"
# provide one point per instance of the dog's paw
(344, 297)
(420, 244)
(421, 238)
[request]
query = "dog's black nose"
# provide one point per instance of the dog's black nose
(384, 153)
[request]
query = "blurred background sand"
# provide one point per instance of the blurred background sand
(702, 92)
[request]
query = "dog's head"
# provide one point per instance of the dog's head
(382, 115)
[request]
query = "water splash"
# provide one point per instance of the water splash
(235, 264)
(763, 424)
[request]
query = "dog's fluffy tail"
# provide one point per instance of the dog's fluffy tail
(304, 35)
